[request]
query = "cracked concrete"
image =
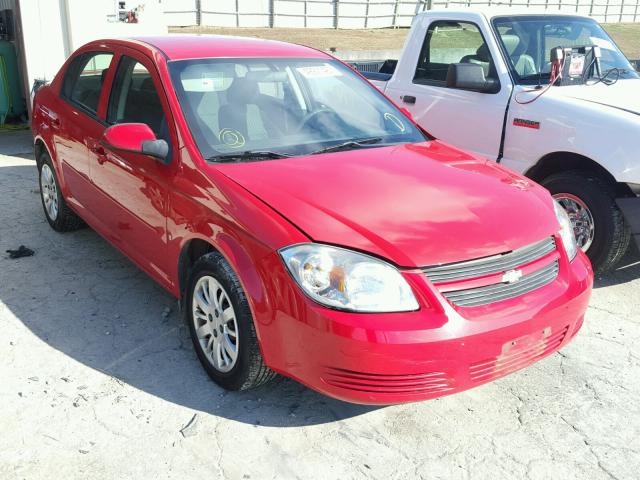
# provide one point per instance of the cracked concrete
(98, 378)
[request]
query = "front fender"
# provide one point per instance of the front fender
(604, 134)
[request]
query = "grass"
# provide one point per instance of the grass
(626, 35)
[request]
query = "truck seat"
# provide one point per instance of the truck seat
(523, 63)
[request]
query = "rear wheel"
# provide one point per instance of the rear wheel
(598, 223)
(58, 214)
(221, 326)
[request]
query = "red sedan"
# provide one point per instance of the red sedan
(306, 224)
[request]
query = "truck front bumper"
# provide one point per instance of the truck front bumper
(630, 208)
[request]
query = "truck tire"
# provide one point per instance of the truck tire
(589, 198)
(60, 217)
(221, 326)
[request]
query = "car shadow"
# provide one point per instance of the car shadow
(85, 299)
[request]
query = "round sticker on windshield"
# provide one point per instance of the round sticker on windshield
(231, 138)
(396, 121)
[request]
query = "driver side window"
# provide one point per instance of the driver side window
(134, 98)
(450, 42)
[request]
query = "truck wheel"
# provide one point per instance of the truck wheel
(221, 326)
(599, 225)
(59, 215)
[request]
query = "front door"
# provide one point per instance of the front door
(132, 188)
(469, 120)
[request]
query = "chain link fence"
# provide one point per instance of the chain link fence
(365, 13)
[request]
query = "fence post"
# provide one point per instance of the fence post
(237, 13)
(198, 12)
(305, 13)
(395, 14)
(366, 14)
(336, 12)
(621, 11)
(635, 13)
(272, 13)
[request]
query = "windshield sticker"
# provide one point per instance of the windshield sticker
(319, 71)
(395, 120)
(602, 43)
(231, 138)
(207, 82)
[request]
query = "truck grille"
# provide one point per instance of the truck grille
(496, 264)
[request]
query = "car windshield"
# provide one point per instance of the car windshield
(527, 41)
(283, 107)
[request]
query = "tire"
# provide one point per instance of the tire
(58, 214)
(611, 234)
(211, 329)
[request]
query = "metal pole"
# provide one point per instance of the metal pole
(366, 15)
(336, 12)
(305, 13)
(198, 12)
(621, 11)
(272, 13)
(395, 14)
(237, 13)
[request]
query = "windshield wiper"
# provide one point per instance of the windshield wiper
(247, 155)
(351, 144)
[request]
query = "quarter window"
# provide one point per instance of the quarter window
(449, 42)
(84, 79)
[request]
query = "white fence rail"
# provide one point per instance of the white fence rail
(364, 13)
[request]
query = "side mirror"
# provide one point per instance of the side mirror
(470, 76)
(135, 138)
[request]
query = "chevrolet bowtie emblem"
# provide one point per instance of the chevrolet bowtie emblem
(512, 276)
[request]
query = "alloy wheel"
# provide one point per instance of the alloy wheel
(215, 323)
(49, 192)
(581, 219)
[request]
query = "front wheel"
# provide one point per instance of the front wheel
(221, 326)
(600, 229)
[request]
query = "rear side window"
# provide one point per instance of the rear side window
(449, 42)
(134, 98)
(84, 79)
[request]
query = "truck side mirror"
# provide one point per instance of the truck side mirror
(470, 76)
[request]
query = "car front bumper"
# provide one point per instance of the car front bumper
(438, 350)
(630, 208)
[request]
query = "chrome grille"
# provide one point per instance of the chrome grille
(472, 297)
(453, 272)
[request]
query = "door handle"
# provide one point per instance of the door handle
(408, 99)
(100, 153)
(55, 123)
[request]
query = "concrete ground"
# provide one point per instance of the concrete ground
(98, 379)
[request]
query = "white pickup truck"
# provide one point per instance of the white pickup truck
(480, 80)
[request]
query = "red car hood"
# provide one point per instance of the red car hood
(416, 205)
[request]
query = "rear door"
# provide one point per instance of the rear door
(469, 120)
(132, 188)
(77, 120)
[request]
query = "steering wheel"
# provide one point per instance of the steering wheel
(312, 117)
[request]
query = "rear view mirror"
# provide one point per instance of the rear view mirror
(470, 76)
(135, 138)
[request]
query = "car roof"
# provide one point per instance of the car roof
(186, 46)
(502, 11)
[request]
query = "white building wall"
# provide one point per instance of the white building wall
(52, 30)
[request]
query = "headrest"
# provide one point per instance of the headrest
(483, 53)
(103, 75)
(243, 90)
(511, 43)
(147, 84)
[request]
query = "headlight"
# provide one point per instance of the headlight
(566, 231)
(348, 280)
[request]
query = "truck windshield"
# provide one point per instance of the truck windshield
(262, 108)
(527, 42)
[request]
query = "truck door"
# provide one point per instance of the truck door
(470, 120)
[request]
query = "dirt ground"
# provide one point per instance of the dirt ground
(98, 379)
(627, 35)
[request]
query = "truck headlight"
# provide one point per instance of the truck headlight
(348, 280)
(566, 231)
